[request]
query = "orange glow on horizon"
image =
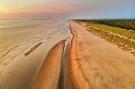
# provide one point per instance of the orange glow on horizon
(4, 10)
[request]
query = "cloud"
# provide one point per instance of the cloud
(46, 11)
(66, 9)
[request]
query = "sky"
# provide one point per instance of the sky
(63, 9)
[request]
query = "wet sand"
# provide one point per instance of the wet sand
(22, 70)
(65, 81)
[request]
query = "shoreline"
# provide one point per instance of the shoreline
(76, 73)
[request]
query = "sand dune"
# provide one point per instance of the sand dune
(48, 77)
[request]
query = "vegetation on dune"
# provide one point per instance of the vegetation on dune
(127, 24)
(122, 23)
(130, 34)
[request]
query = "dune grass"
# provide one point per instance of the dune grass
(124, 38)
(130, 34)
(122, 23)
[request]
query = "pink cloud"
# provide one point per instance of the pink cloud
(47, 11)
(54, 8)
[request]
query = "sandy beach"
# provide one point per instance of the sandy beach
(97, 64)
(61, 54)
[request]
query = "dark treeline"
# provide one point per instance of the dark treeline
(127, 24)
